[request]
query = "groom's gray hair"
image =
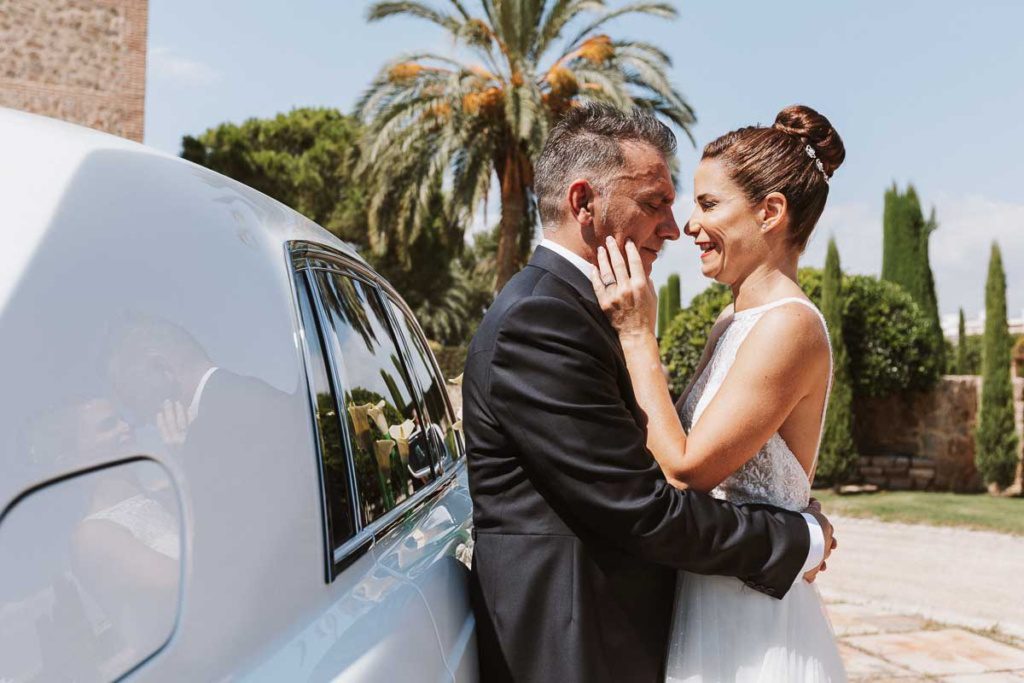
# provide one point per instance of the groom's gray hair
(587, 143)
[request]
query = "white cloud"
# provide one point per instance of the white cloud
(960, 251)
(165, 63)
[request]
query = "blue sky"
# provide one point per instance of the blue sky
(923, 91)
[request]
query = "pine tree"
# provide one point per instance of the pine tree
(906, 235)
(996, 438)
(961, 346)
(837, 458)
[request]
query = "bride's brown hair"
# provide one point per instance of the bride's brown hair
(765, 160)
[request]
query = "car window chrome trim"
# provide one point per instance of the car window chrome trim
(357, 546)
(337, 390)
(301, 280)
(306, 258)
(384, 524)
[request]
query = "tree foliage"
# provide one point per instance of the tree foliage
(520, 64)
(837, 457)
(683, 341)
(888, 338)
(674, 295)
(961, 346)
(304, 159)
(307, 159)
(996, 436)
(906, 234)
(662, 310)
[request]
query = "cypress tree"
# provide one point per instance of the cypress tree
(905, 238)
(662, 310)
(961, 346)
(674, 296)
(893, 251)
(837, 458)
(996, 437)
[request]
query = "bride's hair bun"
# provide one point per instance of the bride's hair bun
(815, 130)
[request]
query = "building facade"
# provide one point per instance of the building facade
(83, 61)
(951, 325)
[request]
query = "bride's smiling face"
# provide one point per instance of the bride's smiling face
(724, 225)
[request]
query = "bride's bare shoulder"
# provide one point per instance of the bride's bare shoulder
(794, 330)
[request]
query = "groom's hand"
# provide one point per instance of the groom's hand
(829, 536)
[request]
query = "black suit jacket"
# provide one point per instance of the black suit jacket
(578, 535)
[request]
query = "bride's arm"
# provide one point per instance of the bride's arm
(772, 372)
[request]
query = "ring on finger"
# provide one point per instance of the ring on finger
(608, 282)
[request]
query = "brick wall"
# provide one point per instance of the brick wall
(83, 61)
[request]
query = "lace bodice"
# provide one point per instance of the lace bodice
(147, 521)
(774, 474)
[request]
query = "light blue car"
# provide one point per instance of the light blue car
(226, 451)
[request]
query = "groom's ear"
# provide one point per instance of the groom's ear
(581, 202)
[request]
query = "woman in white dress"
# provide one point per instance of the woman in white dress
(748, 427)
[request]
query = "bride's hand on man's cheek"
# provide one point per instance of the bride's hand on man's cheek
(624, 291)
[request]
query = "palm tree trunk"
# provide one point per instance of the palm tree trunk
(513, 173)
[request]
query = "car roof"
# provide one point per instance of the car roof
(72, 199)
(41, 155)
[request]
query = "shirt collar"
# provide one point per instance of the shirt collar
(582, 264)
(193, 407)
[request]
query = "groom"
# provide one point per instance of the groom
(578, 535)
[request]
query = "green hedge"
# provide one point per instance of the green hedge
(888, 337)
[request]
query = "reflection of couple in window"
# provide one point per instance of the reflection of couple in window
(233, 441)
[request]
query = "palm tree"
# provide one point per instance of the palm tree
(486, 111)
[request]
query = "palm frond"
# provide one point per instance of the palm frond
(383, 10)
(658, 9)
(562, 13)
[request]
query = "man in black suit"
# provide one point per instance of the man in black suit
(578, 534)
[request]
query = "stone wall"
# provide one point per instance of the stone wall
(83, 61)
(924, 441)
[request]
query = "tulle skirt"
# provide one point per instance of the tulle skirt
(725, 632)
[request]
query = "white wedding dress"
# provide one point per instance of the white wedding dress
(724, 631)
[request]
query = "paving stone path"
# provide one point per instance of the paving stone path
(913, 603)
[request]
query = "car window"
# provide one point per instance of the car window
(338, 505)
(385, 433)
(433, 386)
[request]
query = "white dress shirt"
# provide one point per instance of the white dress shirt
(197, 395)
(816, 551)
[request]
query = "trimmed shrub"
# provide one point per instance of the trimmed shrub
(888, 338)
(683, 341)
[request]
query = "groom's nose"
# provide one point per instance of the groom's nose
(669, 229)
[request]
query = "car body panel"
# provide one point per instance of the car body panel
(94, 558)
(111, 242)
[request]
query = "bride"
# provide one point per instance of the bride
(749, 425)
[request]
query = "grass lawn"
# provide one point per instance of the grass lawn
(975, 511)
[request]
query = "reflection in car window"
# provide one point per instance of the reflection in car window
(386, 434)
(433, 386)
(340, 522)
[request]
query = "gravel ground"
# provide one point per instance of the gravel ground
(955, 576)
